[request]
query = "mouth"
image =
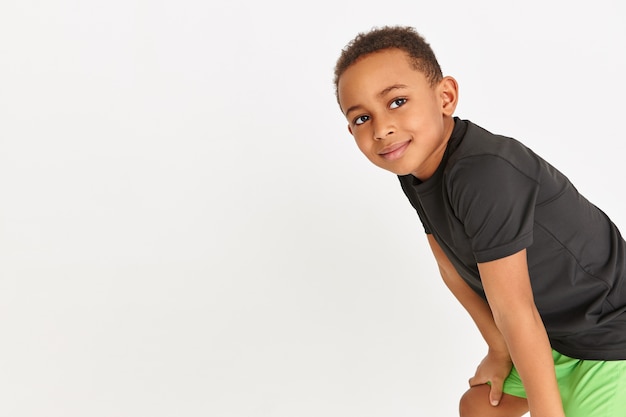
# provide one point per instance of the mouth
(394, 151)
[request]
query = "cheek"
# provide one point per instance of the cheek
(363, 149)
(363, 145)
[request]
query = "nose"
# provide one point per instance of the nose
(383, 127)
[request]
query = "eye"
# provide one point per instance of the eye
(361, 119)
(398, 102)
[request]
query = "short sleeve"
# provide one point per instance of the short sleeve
(495, 202)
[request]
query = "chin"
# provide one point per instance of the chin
(397, 171)
(394, 168)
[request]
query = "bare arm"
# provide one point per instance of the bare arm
(497, 364)
(477, 307)
(507, 285)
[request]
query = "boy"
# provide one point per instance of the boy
(541, 270)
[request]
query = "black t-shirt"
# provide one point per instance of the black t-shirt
(492, 197)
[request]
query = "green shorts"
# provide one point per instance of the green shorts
(588, 388)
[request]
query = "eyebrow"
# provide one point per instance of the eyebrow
(381, 94)
(391, 88)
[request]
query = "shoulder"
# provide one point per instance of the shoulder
(482, 153)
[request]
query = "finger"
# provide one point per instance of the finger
(475, 380)
(495, 394)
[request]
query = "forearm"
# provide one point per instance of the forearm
(507, 285)
(477, 307)
(530, 351)
(482, 316)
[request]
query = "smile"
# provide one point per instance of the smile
(394, 151)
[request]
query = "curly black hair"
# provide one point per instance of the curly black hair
(402, 37)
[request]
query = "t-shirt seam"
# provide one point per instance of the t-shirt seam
(520, 240)
(577, 353)
(500, 157)
(449, 185)
(567, 249)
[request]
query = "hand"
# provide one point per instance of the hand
(493, 369)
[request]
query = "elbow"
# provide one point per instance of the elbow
(513, 318)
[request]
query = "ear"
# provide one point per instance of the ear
(350, 130)
(449, 91)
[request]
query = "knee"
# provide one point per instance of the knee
(475, 403)
(472, 403)
(466, 408)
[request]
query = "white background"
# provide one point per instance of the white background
(187, 229)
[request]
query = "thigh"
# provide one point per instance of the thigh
(475, 403)
(592, 388)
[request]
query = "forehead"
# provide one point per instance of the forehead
(373, 73)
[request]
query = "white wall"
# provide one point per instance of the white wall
(187, 229)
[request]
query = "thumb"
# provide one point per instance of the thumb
(495, 394)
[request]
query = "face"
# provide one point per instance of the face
(399, 120)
